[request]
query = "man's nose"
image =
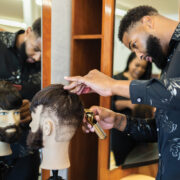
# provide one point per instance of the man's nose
(12, 119)
(140, 55)
(37, 57)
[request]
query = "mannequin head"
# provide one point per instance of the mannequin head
(10, 103)
(56, 114)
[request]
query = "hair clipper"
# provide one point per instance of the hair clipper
(97, 128)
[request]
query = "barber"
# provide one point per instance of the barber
(154, 38)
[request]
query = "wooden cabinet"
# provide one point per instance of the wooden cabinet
(91, 48)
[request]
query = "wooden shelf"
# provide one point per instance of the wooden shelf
(87, 17)
(88, 36)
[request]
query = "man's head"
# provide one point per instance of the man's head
(31, 48)
(54, 110)
(139, 32)
(10, 103)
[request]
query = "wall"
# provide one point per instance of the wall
(61, 34)
(60, 45)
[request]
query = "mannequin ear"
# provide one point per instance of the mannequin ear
(47, 127)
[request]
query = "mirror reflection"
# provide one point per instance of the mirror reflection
(125, 151)
(20, 76)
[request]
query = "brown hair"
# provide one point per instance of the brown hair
(66, 106)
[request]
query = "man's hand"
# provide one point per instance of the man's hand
(25, 112)
(94, 81)
(106, 118)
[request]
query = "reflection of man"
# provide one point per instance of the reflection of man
(56, 114)
(10, 103)
(20, 55)
(156, 39)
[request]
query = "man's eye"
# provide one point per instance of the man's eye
(134, 45)
(16, 113)
(3, 113)
(36, 49)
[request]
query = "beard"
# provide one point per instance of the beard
(154, 49)
(34, 140)
(24, 55)
(10, 137)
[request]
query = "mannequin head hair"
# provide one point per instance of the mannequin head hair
(9, 96)
(66, 106)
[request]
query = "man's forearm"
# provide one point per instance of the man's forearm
(121, 88)
(120, 122)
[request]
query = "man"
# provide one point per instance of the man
(20, 55)
(154, 38)
(56, 115)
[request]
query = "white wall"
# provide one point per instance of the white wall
(60, 45)
(60, 35)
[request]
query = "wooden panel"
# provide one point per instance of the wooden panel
(83, 150)
(106, 67)
(94, 36)
(46, 54)
(87, 17)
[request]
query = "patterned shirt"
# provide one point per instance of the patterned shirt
(164, 94)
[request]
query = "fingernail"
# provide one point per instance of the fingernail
(89, 126)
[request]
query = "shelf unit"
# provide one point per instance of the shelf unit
(91, 48)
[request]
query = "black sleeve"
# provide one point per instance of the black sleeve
(142, 130)
(164, 94)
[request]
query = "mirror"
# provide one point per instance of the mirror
(18, 55)
(123, 150)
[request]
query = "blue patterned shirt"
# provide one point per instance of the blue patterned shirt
(164, 94)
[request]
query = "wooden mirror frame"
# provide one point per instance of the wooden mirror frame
(46, 54)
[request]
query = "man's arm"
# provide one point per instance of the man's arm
(139, 129)
(163, 94)
(97, 82)
(142, 130)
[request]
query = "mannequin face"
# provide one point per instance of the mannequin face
(45, 127)
(9, 125)
(9, 117)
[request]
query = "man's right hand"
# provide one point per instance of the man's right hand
(94, 81)
(106, 118)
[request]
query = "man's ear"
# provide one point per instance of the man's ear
(28, 30)
(47, 127)
(148, 22)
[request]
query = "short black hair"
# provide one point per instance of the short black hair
(36, 27)
(10, 97)
(66, 105)
(148, 72)
(133, 16)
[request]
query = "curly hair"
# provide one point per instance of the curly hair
(133, 16)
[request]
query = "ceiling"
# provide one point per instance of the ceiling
(168, 7)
